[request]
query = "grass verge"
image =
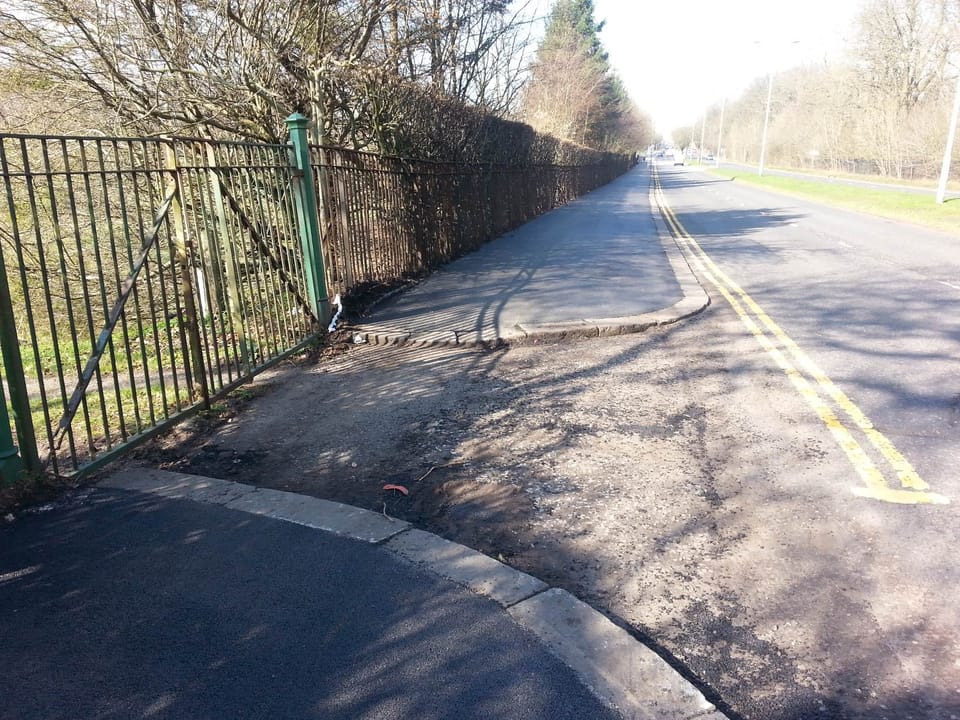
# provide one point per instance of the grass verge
(907, 207)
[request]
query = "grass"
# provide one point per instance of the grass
(927, 184)
(908, 207)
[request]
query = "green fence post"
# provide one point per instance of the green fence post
(308, 218)
(12, 466)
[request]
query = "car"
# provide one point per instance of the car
(678, 157)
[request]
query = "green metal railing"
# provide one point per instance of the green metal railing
(142, 277)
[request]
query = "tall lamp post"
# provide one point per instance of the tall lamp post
(703, 129)
(766, 115)
(766, 123)
(716, 157)
(948, 151)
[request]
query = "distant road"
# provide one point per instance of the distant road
(839, 181)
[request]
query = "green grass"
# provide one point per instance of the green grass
(927, 184)
(908, 207)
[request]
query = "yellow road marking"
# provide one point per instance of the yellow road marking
(876, 484)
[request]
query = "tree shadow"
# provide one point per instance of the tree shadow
(673, 480)
(134, 605)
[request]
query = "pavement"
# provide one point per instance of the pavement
(601, 265)
(164, 595)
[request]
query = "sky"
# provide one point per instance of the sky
(679, 57)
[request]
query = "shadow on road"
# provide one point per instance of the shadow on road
(673, 480)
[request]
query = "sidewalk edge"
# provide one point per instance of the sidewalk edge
(618, 669)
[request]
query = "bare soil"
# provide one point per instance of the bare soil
(672, 479)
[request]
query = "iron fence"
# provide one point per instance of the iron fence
(142, 277)
(385, 219)
(145, 276)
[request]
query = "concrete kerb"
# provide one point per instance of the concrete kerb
(617, 668)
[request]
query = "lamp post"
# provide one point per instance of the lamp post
(948, 151)
(766, 115)
(766, 123)
(716, 157)
(703, 129)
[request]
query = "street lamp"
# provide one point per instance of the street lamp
(766, 116)
(948, 151)
(766, 123)
(716, 157)
(703, 129)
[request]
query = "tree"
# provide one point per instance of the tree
(573, 93)
(903, 50)
(239, 67)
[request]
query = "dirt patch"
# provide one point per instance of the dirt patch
(673, 479)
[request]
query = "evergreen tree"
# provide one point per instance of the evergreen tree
(573, 92)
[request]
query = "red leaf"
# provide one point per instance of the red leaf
(398, 488)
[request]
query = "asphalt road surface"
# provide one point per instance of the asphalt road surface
(863, 316)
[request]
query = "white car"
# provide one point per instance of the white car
(678, 157)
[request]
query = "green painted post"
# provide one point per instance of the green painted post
(308, 218)
(12, 466)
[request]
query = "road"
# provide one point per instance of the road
(707, 485)
(867, 308)
(873, 301)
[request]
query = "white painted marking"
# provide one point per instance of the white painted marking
(847, 245)
(949, 285)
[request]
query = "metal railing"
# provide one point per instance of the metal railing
(145, 276)
(386, 219)
(141, 278)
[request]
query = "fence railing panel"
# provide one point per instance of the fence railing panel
(145, 277)
(142, 277)
(387, 219)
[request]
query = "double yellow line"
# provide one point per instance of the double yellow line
(810, 381)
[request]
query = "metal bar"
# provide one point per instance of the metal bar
(126, 289)
(95, 236)
(82, 272)
(258, 279)
(191, 190)
(12, 360)
(237, 319)
(65, 287)
(119, 275)
(167, 355)
(138, 315)
(183, 258)
(48, 306)
(111, 242)
(257, 237)
(272, 190)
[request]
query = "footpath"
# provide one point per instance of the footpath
(163, 595)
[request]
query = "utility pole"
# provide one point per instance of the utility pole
(766, 123)
(766, 117)
(703, 129)
(948, 151)
(716, 157)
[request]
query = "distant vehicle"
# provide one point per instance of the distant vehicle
(678, 157)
